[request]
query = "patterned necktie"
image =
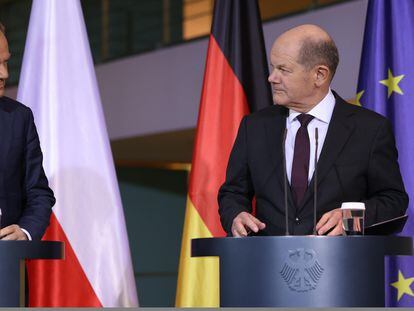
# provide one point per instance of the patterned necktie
(301, 155)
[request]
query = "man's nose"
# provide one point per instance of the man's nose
(273, 77)
(4, 72)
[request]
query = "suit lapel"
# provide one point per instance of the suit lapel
(275, 127)
(6, 120)
(339, 131)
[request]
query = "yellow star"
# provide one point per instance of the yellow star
(358, 98)
(403, 285)
(392, 83)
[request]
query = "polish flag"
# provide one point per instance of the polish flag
(58, 83)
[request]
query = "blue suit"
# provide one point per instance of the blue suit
(358, 163)
(25, 196)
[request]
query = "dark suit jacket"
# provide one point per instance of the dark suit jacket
(358, 162)
(25, 197)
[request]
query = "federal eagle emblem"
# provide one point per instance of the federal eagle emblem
(301, 270)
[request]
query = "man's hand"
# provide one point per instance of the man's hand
(330, 221)
(12, 233)
(244, 223)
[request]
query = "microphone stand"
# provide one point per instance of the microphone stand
(315, 182)
(285, 182)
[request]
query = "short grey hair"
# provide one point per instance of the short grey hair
(319, 52)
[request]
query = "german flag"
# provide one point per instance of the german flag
(235, 84)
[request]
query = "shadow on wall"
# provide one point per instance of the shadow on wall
(154, 204)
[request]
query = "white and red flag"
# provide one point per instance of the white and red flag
(58, 82)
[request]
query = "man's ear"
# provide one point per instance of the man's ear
(322, 75)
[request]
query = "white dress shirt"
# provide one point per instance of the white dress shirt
(322, 114)
(29, 237)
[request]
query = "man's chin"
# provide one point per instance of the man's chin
(280, 100)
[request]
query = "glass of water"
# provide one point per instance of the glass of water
(353, 214)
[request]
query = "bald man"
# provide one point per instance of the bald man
(356, 154)
(25, 198)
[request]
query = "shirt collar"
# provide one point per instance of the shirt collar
(322, 111)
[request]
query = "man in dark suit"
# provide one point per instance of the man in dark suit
(356, 157)
(25, 198)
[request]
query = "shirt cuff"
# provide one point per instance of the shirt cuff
(29, 237)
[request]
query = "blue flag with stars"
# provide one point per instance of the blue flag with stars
(386, 85)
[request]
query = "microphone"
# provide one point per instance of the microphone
(315, 181)
(285, 182)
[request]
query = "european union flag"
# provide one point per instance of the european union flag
(386, 85)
